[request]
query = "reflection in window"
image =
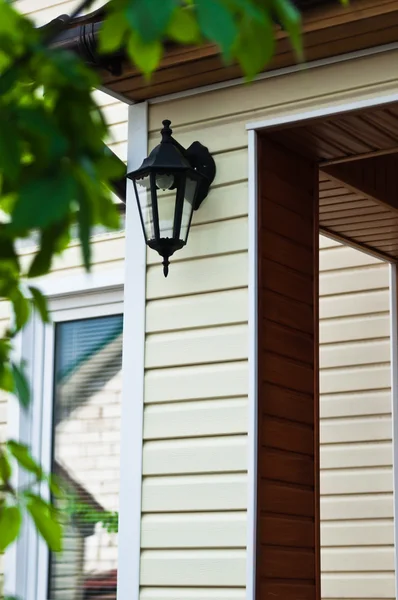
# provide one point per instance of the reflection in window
(86, 437)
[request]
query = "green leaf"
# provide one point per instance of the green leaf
(217, 24)
(6, 378)
(43, 201)
(113, 32)
(40, 303)
(255, 47)
(290, 20)
(21, 385)
(53, 240)
(21, 308)
(10, 150)
(45, 519)
(55, 486)
(146, 56)
(150, 18)
(24, 458)
(10, 524)
(183, 26)
(5, 467)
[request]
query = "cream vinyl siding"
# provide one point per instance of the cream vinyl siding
(357, 531)
(195, 447)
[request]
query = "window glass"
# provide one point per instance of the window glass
(86, 440)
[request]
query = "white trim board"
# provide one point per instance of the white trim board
(394, 400)
(253, 374)
(128, 587)
(322, 112)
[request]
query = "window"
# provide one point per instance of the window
(75, 367)
(86, 453)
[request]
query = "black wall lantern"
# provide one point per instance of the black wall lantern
(170, 184)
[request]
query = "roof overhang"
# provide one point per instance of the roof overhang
(329, 29)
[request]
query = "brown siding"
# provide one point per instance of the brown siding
(288, 491)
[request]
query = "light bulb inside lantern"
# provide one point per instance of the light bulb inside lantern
(164, 181)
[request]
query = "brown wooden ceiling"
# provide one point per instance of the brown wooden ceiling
(329, 30)
(358, 183)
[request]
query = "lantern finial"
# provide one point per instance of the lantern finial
(166, 131)
(165, 264)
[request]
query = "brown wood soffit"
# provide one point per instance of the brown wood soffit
(329, 30)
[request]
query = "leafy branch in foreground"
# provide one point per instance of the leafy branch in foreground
(14, 501)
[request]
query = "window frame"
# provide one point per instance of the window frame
(27, 561)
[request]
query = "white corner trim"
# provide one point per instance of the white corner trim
(394, 400)
(322, 62)
(133, 371)
(253, 375)
(322, 112)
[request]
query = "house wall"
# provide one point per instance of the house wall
(195, 420)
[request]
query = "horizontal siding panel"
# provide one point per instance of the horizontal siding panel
(208, 455)
(361, 533)
(344, 257)
(354, 304)
(353, 280)
(193, 419)
(193, 568)
(197, 276)
(352, 329)
(194, 530)
(194, 493)
(357, 559)
(361, 481)
(356, 404)
(194, 383)
(344, 456)
(192, 593)
(361, 586)
(224, 202)
(218, 136)
(355, 379)
(204, 310)
(231, 167)
(211, 239)
(105, 248)
(376, 506)
(116, 115)
(197, 347)
(327, 242)
(351, 354)
(361, 429)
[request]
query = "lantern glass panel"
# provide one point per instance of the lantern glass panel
(143, 192)
(166, 207)
(190, 195)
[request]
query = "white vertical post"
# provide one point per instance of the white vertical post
(253, 364)
(133, 371)
(394, 400)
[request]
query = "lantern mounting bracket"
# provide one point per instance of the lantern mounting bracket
(203, 162)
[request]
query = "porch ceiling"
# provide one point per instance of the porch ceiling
(358, 175)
